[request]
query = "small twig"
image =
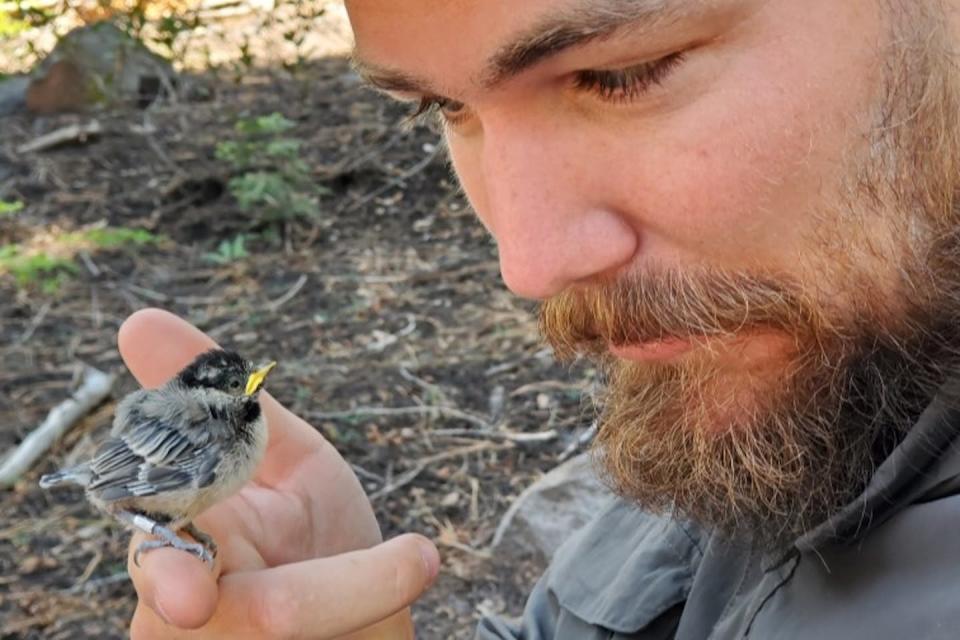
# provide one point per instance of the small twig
(547, 385)
(160, 153)
(510, 436)
(156, 296)
(579, 442)
(91, 567)
(409, 476)
(395, 182)
(219, 330)
(96, 386)
(289, 295)
(72, 133)
(149, 294)
(431, 388)
(35, 323)
(474, 499)
(463, 451)
(446, 412)
(95, 314)
(89, 264)
(459, 546)
(91, 585)
(399, 482)
(366, 473)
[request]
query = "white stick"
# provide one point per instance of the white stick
(71, 133)
(95, 387)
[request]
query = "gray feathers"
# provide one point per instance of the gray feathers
(174, 451)
(162, 441)
(171, 441)
(76, 475)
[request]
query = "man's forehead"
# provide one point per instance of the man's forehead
(512, 37)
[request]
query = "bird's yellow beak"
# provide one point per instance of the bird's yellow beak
(255, 381)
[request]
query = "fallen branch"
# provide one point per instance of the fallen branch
(95, 386)
(57, 137)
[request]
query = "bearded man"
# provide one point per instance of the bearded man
(745, 211)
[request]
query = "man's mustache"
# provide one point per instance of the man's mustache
(657, 303)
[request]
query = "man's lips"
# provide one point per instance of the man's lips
(655, 351)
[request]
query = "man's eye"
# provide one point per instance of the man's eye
(451, 111)
(623, 85)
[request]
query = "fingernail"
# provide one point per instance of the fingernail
(431, 559)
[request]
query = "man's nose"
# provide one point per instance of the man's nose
(545, 207)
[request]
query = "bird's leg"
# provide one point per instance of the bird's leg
(168, 538)
(203, 538)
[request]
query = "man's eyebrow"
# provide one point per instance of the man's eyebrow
(387, 79)
(586, 21)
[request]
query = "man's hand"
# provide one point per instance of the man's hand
(300, 552)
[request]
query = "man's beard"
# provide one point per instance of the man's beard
(769, 451)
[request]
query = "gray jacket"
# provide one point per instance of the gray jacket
(887, 567)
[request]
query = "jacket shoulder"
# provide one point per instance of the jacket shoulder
(627, 572)
(898, 582)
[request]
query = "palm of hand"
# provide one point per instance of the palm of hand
(304, 503)
(298, 545)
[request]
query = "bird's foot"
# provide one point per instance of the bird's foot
(203, 538)
(175, 542)
(168, 538)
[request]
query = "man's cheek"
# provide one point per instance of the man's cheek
(719, 185)
(467, 170)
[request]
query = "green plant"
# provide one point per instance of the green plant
(273, 180)
(160, 26)
(49, 271)
(8, 208)
(11, 25)
(168, 30)
(29, 15)
(50, 266)
(114, 237)
(229, 251)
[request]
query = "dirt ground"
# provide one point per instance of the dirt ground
(395, 336)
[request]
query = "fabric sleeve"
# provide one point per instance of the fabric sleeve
(539, 619)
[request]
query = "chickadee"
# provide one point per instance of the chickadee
(178, 449)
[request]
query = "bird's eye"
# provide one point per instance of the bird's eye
(235, 384)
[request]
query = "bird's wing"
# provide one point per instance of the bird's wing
(155, 452)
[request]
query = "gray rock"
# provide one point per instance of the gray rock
(13, 94)
(549, 510)
(97, 64)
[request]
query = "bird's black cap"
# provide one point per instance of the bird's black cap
(216, 369)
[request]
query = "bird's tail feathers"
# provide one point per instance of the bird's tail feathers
(74, 475)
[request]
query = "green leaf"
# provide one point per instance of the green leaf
(283, 148)
(229, 251)
(259, 188)
(10, 208)
(112, 237)
(265, 125)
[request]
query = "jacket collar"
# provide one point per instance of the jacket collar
(925, 466)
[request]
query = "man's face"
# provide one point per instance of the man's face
(730, 203)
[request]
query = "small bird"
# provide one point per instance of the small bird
(176, 450)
